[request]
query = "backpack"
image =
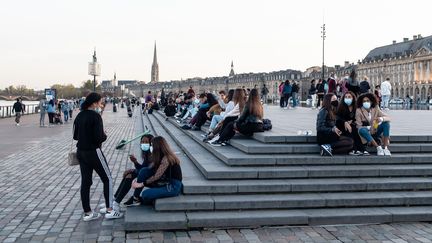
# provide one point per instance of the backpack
(267, 125)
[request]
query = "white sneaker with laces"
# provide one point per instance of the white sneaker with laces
(113, 214)
(387, 152)
(380, 151)
(103, 209)
(91, 216)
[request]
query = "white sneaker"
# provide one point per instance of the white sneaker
(113, 214)
(380, 151)
(387, 152)
(103, 209)
(91, 216)
(213, 139)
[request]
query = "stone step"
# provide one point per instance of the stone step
(279, 137)
(234, 157)
(252, 146)
(292, 201)
(146, 219)
(213, 168)
(214, 187)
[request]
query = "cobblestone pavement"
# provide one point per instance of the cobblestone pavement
(40, 202)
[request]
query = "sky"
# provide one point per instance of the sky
(51, 41)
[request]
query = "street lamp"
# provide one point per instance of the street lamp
(323, 36)
(94, 69)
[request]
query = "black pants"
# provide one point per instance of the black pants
(201, 118)
(247, 129)
(354, 135)
(124, 187)
(281, 101)
(94, 160)
(320, 99)
(339, 145)
(286, 99)
(51, 118)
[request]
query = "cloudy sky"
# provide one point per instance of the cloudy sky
(51, 41)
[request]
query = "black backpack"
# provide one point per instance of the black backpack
(267, 125)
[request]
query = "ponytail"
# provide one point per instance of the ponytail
(90, 99)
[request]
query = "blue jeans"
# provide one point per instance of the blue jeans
(149, 194)
(66, 115)
(215, 120)
(294, 98)
(385, 101)
(383, 129)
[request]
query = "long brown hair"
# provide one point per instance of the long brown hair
(254, 104)
(161, 149)
(239, 98)
(328, 106)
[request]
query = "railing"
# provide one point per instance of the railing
(7, 111)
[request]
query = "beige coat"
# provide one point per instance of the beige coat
(362, 115)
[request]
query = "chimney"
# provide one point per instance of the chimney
(394, 42)
(414, 37)
(405, 39)
(346, 64)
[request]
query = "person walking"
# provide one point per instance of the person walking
(312, 93)
(71, 108)
(89, 132)
(264, 93)
(385, 93)
(294, 93)
(65, 110)
(42, 111)
(51, 112)
(18, 109)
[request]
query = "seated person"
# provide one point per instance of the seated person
(372, 122)
(170, 108)
(249, 122)
(329, 137)
(206, 101)
(345, 122)
(228, 104)
(163, 178)
(130, 174)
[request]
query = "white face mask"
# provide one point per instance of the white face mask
(367, 105)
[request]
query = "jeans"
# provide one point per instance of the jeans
(264, 97)
(385, 101)
(383, 129)
(149, 194)
(66, 115)
(294, 98)
(314, 97)
(17, 117)
(42, 119)
(215, 120)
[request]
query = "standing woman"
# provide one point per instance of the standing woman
(88, 130)
(51, 111)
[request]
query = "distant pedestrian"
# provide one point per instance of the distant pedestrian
(264, 93)
(42, 111)
(18, 109)
(320, 92)
(281, 100)
(364, 85)
(331, 85)
(65, 110)
(353, 84)
(51, 111)
(294, 93)
(287, 91)
(71, 108)
(89, 131)
(386, 93)
(313, 93)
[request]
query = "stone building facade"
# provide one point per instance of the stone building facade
(232, 81)
(408, 64)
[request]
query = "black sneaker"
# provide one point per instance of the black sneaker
(186, 127)
(326, 150)
(195, 128)
(132, 201)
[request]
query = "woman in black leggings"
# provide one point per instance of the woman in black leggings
(89, 131)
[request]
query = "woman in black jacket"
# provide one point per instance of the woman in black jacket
(88, 130)
(249, 122)
(345, 122)
(329, 137)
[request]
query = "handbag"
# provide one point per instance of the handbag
(72, 156)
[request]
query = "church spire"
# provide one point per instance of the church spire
(155, 67)
(232, 69)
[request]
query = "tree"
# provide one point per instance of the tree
(87, 87)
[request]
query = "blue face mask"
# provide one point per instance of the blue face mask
(348, 101)
(98, 110)
(146, 147)
(367, 105)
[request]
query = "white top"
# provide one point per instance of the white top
(234, 112)
(385, 88)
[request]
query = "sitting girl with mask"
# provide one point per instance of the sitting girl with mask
(130, 174)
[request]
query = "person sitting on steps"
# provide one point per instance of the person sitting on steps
(372, 122)
(329, 137)
(163, 178)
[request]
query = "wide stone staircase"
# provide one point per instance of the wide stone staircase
(273, 179)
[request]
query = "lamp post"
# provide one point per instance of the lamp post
(323, 36)
(94, 69)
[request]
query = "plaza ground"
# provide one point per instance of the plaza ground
(40, 201)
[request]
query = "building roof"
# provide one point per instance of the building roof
(399, 49)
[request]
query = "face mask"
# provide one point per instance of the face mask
(335, 103)
(98, 110)
(196, 101)
(145, 147)
(348, 101)
(367, 105)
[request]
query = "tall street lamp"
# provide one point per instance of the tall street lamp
(323, 36)
(94, 69)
